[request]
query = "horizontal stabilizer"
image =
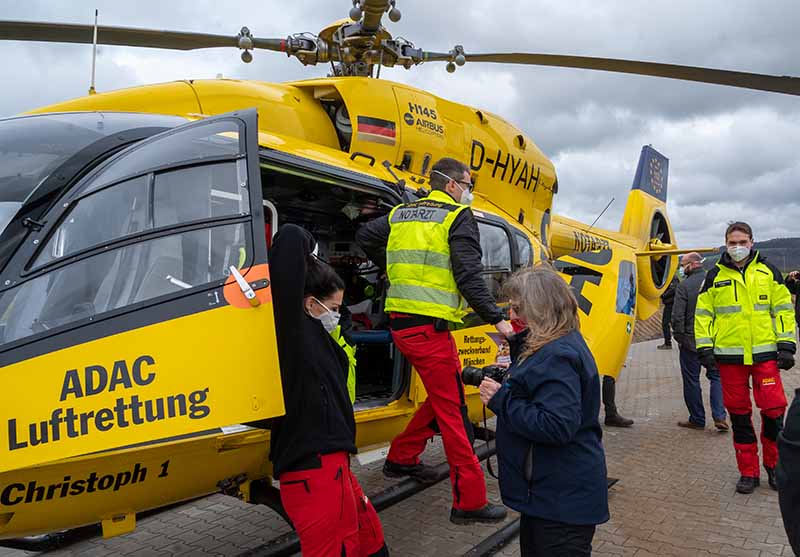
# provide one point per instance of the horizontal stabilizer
(660, 252)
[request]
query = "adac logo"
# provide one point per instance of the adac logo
(409, 118)
(767, 381)
(656, 175)
(628, 327)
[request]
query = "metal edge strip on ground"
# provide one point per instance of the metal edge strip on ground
(289, 544)
(501, 538)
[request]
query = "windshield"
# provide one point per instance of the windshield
(33, 147)
(7, 211)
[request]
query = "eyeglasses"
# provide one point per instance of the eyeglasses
(334, 308)
(469, 185)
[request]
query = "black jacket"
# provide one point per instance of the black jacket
(794, 287)
(683, 309)
(465, 259)
(319, 416)
(788, 473)
(668, 297)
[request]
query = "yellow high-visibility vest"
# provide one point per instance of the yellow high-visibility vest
(351, 360)
(421, 279)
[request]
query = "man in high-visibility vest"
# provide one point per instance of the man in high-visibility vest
(744, 322)
(431, 251)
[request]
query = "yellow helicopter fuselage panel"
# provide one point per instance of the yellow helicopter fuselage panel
(163, 380)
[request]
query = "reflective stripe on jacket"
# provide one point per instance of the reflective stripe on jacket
(745, 315)
(418, 259)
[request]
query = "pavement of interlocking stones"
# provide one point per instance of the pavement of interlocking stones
(675, 494)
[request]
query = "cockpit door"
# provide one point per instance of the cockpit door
(141, 311)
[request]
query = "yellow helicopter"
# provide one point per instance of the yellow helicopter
(137, 339)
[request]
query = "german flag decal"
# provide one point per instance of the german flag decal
(376, 130)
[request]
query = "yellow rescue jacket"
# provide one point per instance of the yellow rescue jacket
(744, 315)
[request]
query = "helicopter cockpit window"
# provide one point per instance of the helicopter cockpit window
(98, 218)
(216, 139)
(121, 277)
(524, 251)
(496, 258)
(201, 192)
(32, 147)
(179, 196)
(7, 211)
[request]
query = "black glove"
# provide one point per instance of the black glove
(785, 359)
(706, 356)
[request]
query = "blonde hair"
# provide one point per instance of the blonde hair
(544, 300)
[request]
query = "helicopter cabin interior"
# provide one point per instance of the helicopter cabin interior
(332, 210)
(333, 207)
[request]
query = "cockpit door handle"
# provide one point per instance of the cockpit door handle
(245, 287)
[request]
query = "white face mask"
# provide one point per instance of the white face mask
(466, 197)
(329, 319)
(738, 253)
(681, 272)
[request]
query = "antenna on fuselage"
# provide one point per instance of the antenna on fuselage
(94, 54)
(601, 214)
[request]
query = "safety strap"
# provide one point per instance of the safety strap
(488, 458)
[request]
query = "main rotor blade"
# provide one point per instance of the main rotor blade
(776, 84)
(124, 36)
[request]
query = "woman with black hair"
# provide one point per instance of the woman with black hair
(311, 444)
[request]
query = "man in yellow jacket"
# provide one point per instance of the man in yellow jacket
(744, 322)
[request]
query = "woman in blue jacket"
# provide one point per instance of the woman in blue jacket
(552, 463)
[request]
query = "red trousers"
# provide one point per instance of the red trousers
(770, 399)
(433, 353)
(330, 513)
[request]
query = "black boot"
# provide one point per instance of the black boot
(747, 485)
(771, 477)
(420, 472)
(382, 552)
(489, 513)
(613, 418)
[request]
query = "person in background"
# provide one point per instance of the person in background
(683, 329)
(793, 284)
(613, 417)
(744, 323)
(431, 252)
(549, 440)
(312, 442)
(788, 473)
(668, 299)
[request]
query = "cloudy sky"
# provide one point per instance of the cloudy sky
(733, 153)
